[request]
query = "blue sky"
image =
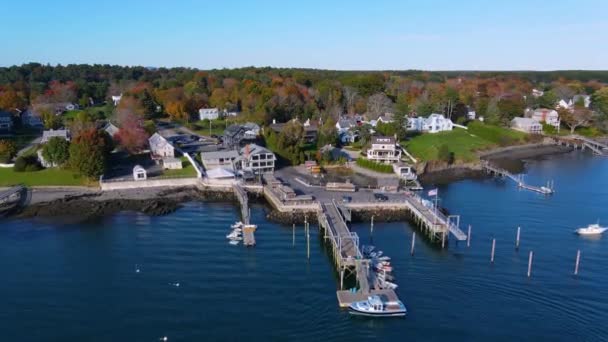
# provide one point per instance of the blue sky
(354, 35)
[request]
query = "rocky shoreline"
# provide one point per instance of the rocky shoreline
(512, 158)
(78, 204)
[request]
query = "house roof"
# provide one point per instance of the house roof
(255, 149)
(169, 160)
(219, 154)
(62, 133)
(138, 168)
(383, 140)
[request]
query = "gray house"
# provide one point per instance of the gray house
(255, 159)
(61, 133)
(219, 159)
(237, 135)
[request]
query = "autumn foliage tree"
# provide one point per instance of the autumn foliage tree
(132, 135)
(7, 151)
(88, 153)
(577, 117)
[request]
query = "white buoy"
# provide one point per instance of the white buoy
(164, 338)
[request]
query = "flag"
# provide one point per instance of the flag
(433, 192)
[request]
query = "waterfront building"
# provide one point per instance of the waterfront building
(171, 163)
(384, 150)
(527, 125)
(160, 147)
(237, 135)
(256, 159)
(223, 159)
(139, 173)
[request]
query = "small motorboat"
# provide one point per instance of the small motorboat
(234, 242)
(384, 258)
(376, 307)
(389, 285)
(592, 229)
(384, 268)
(237, 225)
(234, 234)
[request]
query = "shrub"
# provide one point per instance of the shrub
(27, 164)
(7, 151)
(371, 165)
(56, 151)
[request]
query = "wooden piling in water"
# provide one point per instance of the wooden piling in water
(530, 257)
(517, 238)
(443, 239)
(413, 243)
(578, 260)
(371, 228)
(493, 250)
(307, 241)
(469, 237)
(293, 236)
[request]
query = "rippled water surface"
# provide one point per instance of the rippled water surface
(79, 282)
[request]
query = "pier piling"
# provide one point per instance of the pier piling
(413, 243)
(578, 260)
(530, 257)
(293, 236)
(493, 250)
(517, 238)
(371, 228)
(307, 241)
(469, 237)
(443, 239)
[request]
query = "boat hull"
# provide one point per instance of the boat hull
(354, 311)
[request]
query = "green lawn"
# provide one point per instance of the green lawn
(463, 143)
(187, 171)
(49, 177)
(217, 127)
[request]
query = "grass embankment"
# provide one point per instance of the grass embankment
(46, 177)
(371, 165)
(463, 143)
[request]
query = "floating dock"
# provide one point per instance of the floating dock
(546, 190)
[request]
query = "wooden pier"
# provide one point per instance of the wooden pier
(546, 190)
(348, 256)
(248, 228)
(580, 142)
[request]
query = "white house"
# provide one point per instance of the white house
(171, 163)
(111, 129)
(160, 147)
(61, 133)
(537, 93)
(255, 159)
(384, 150)
(139, 173)
(116, 99)
(471, 114)
(540, 115)
(433, 124)
(527, 125)
(569, 103)
(209, 113)
(349, 137)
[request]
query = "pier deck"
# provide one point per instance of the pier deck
(504, 173)
(248, 235)
(248, 228)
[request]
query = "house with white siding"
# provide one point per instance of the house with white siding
(544, 115)
(527, 125)
(209, 113)
(434, 123)
(384, 150)
(160, 147)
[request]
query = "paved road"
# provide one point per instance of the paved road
(31, 144)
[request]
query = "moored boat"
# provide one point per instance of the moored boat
(592, 229)
(374, 306)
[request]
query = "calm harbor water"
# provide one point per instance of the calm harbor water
(79, 282)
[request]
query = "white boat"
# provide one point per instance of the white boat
(388, 285)
(375, 306)
(234, 234)
(384, 258)
(592, 229)
(234, 242)
(236, 225)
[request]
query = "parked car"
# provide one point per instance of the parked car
(346, 199)
(380, 197)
